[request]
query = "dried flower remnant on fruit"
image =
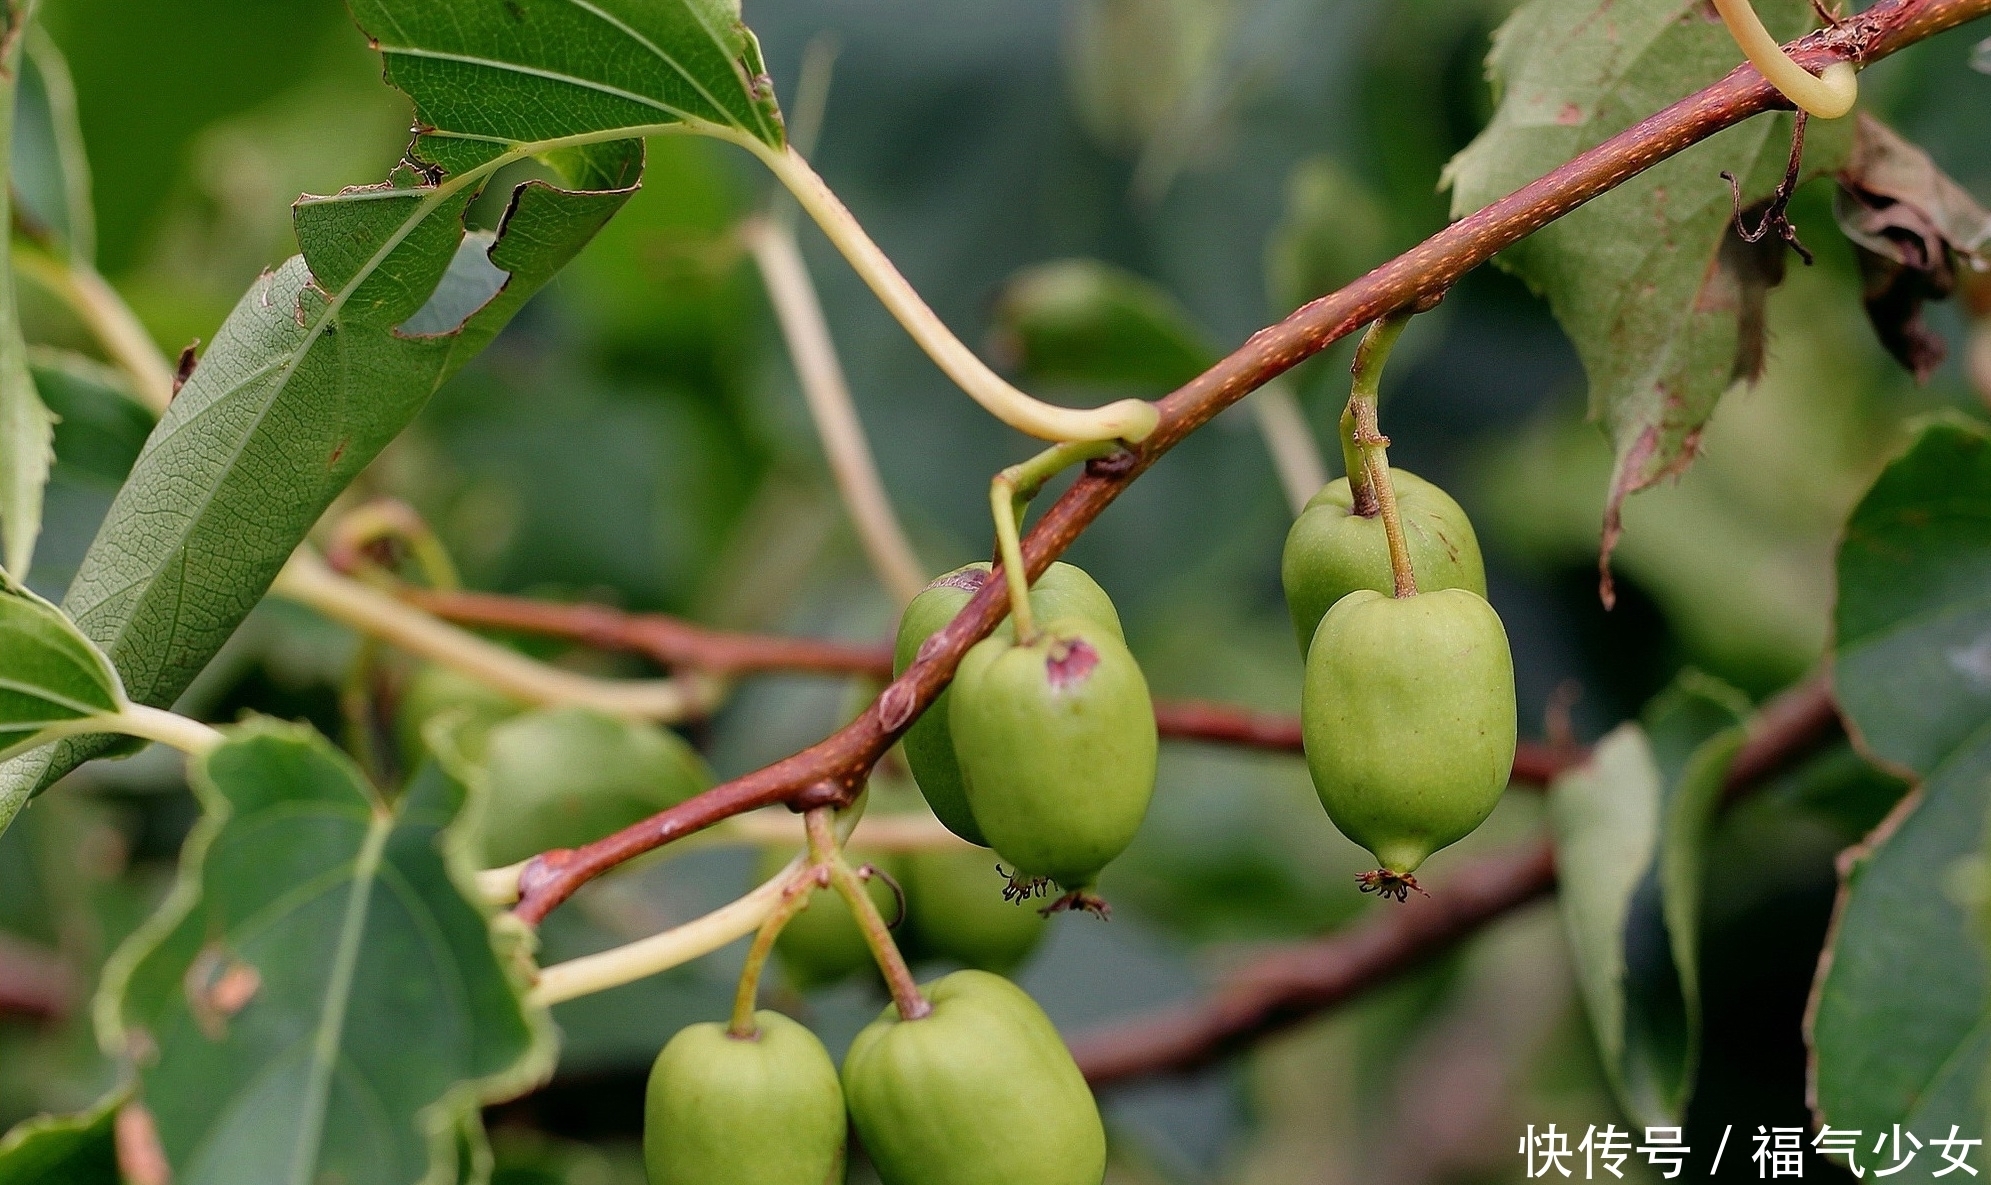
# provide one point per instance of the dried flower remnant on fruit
(1069, 662)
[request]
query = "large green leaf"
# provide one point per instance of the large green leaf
(49, 672)
(1631, 828)
(1662, 301)
(1900, 1028)
(63, 1149)
(318, 367)
(27, 431)
(321, 997)
(521, 71)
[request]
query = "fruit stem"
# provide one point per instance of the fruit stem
(794, 899)
(1366, 449)
(1009, 493)
(906, 995)
(1359, 487)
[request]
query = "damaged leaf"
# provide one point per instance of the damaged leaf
(322, 363)
(1909, 222)
(1661, 299)
(491, 71)
(322, 997)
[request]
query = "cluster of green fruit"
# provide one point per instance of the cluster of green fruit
(979, 1091)
(1043, 747)
(1408, 706)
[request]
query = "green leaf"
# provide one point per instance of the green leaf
(322, 997)
(49, 672)
(1084, 322)
(27, 431)
(100, 428)
(63, 1149)
(1663, 303)
(51, 168)
(1900, 1027)
(321, 364)
(527, 71)
(1631, 829)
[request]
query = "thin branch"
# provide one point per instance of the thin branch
(308, 580)
(839, 761)
(814, 355)
(1294, 984)
(674, 642)
(667, 641)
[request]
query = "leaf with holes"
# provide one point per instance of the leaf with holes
(491, 73)
(321, 364)
(1663, 302)
(49, 673)
(1631, 827)
(1900, 1024)
(321, 997)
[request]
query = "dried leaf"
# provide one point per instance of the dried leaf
(1909, 222)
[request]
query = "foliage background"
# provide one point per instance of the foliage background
(637, 436)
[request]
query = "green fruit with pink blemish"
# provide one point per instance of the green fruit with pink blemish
(1062, 590)
(1056, 738)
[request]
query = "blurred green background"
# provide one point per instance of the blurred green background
(637, 437)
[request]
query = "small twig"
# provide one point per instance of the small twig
(308, 580)
(1776, 216)
(667, 641)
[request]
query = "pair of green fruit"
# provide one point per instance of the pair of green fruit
(1408, 708)
(981, 1091)
(1043, 749)
(954, 910)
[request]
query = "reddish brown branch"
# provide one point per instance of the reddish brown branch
(670, 641)
(667, 641)
(838, 763)
(1299, 982)
(1202, 721)
(1535, 764)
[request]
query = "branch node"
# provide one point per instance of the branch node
(1114, 465)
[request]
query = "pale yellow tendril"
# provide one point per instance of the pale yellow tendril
(1825, 96)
